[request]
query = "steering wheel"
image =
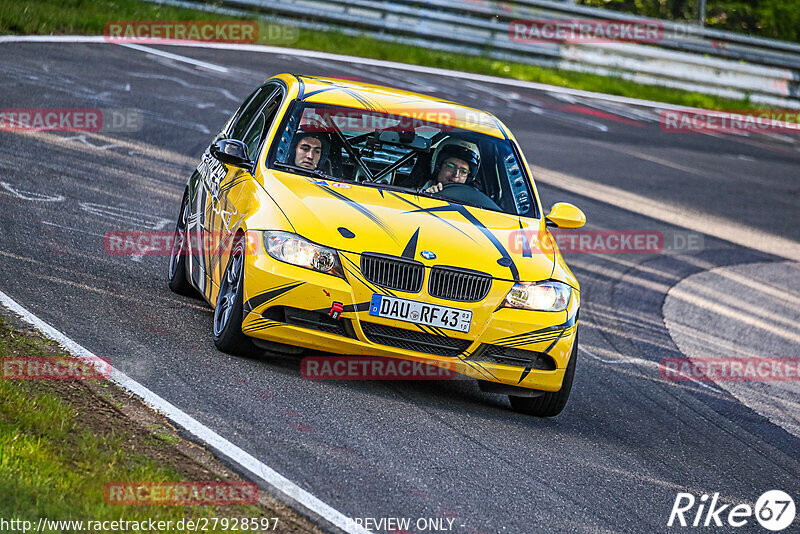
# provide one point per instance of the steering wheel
(468, 195)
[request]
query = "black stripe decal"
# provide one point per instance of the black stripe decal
(261, 324)
(318, 91)
(361, 209)
(426, 210)
(365, 101)
(528, 369)
(526, 246)
(267, 296)
(489, 235)
(568, 323)
(411, 248)
(477, 366)
(231, 185)
(358, 275)
(525, 342)
(217, 254)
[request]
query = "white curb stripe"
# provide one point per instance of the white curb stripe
(197, 429)
(52, 39)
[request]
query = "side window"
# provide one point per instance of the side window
(519, 192)
(260, 126)
(242, 123)
(223, 133)
(254, 135)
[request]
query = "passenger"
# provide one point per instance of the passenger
(310, 149)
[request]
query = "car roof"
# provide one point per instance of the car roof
(360, 95)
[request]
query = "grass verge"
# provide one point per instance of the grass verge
(62, 441)
(90, 16)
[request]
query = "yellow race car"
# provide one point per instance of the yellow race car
(362, 220)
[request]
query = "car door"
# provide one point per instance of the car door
(220, 180)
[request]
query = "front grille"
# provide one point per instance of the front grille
(392, 272)
(306, 319)
(459, 284)
(416, 341)
(514, 356)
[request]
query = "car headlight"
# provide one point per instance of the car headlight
(292, 248)
(548, 296)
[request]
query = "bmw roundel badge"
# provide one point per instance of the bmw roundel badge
(427, 254)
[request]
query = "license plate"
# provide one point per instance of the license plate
(420, 313)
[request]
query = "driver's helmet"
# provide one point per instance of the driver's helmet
(456, 148)
(311, 130)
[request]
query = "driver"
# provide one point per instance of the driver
(310, 149)
(454, 161)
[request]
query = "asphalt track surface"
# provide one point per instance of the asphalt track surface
(614, 460)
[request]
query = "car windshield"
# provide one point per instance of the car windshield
(403, 153)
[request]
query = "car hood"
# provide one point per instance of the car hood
(358, 219)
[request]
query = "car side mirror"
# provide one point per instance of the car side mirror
(233, 152)
(565, 215)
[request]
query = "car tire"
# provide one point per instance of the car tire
(552, 402)
(178, 281)
(228, 312)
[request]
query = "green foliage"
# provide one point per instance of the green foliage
(53, 465)
(90, 17)
(775, 19)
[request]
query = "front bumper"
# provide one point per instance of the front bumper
(290, 305)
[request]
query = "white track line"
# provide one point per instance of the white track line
(348, 59)
(176, 57)
(642, 361)
(272, 478)
(673, 214)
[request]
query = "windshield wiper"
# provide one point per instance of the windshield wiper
(436, 196)
(391, 187)
(316, 173)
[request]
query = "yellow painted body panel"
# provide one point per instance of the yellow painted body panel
(383, 222)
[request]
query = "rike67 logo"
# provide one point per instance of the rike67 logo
(774, 511)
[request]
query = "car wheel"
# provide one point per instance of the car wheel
(551, 403)
(228, 313)
(178, 281)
